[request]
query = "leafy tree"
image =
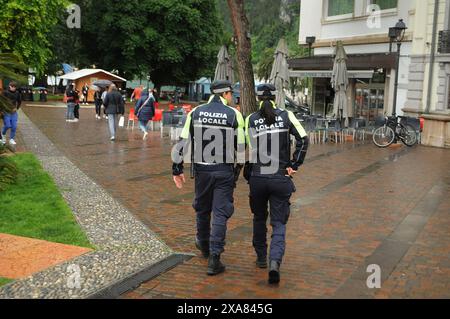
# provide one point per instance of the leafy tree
(264, 67)
(24, 27)
(172, 41)
(12, 68)
(269, 20)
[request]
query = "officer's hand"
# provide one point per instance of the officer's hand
(290, 172)
(179, 181)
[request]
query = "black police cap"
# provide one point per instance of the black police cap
(266, 90)
(218, 87)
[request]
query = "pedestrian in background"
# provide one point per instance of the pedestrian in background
(85, 92)
(10, 120)
(76, 110)
(137, 93)
(105, 92)
(145, 111)
(98, 103)
(72, 98)
(114, 106)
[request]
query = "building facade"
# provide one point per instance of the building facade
(429, 86)
(362, 26)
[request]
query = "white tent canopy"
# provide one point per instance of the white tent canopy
(87, 72)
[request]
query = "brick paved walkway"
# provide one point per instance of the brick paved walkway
(356, 205)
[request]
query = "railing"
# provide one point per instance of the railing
(444, 41)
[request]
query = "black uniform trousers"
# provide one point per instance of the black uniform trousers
(276, 191)
(213, 196)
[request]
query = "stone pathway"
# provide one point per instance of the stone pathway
(21, 257)
(356, 205)
(125, 247)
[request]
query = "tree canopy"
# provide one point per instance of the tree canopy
(24, 27)
(172, 41)
(270, 20)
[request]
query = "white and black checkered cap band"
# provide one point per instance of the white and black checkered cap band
(223, 90)
(261, 93)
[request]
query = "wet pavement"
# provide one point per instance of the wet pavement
(356, 205)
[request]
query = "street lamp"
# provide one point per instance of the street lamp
(310, 41)
(397, 34)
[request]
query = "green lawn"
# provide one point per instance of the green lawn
(34, 207)
(4, 281)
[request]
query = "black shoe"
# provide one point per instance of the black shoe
(261, 262)
(203, 248)
(215, 267)
(274, 272)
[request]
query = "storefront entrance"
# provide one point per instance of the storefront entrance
(369, 101)
(370, 97)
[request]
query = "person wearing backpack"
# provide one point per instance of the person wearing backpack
(145, 111)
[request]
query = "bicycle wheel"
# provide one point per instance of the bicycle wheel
(383, 136)
(408, 135)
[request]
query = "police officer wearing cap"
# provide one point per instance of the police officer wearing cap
(270, 173)
(214, 134)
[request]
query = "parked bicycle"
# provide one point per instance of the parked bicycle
(394, 130)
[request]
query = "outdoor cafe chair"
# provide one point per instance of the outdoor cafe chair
(360, 129)
(172, 120)
(157, 118)
(334, 128)
(351, 129)
(131, 119)
(310, 127)
(321, 127)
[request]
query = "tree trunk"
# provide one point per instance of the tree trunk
(244, 49)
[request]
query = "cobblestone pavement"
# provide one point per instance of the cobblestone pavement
(356, 205)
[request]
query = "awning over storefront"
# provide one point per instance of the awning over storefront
(352, 74)
(355, 62)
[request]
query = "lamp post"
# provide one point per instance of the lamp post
(310, 41)
(397, 34)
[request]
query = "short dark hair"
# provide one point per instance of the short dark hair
(12, 84)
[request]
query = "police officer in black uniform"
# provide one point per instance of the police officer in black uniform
(270, 173)
(214, 134)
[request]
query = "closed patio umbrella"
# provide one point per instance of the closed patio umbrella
(224, 68)
(339, 81)
(280, 72)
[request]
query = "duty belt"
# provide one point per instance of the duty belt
(256, 171)
(213, 166)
